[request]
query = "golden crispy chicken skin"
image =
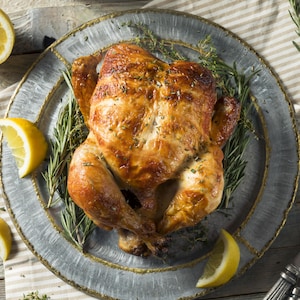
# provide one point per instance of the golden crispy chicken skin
(156, 130)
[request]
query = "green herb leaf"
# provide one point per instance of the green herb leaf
(148, 40)
(295, 15)
(69, 133)
(35, 296)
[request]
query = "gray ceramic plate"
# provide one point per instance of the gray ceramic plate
(261, 202)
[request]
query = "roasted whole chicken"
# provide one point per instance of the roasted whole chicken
(152, 161)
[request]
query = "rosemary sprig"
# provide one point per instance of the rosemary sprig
(69, 133)
(295, 15)
(234, 162)
(77, 226)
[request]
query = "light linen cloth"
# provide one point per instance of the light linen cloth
(264, 25)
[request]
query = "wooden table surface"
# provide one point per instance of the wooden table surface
(256, 281)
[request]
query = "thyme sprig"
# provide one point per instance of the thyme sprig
(295, 15)
(148, 40)
(69, 133)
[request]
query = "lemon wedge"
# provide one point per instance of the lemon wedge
(5, 240)
(7, 36)
(222, 263)
(27, 143)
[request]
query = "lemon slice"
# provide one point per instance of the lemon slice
(222, 264)
(5, 240)
(26, 141)
(7, 36)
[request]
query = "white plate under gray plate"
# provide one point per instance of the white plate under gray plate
(261, 202)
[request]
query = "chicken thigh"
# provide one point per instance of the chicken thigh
(155, 133)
